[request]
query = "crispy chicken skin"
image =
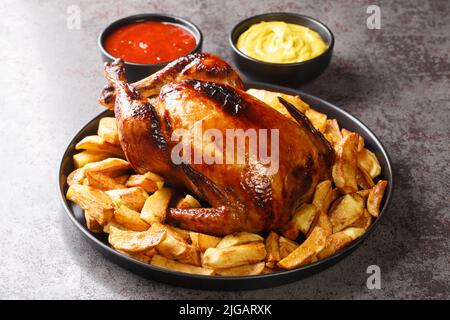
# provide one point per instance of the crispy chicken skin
(243, 197)
(199, 66)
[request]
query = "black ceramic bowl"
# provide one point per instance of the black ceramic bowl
(100, 241)
(282, 73)
(137, 71)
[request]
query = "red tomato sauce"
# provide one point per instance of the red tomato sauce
(150, 42)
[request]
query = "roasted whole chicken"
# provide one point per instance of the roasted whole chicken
(204, 89)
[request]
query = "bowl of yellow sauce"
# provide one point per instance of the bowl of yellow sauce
(284, 48)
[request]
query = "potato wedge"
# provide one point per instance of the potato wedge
(271, 98)
(96, 202)
(286, 247)
(323, 196)
(375, 197)
(304, 217)
(244, 270)
(354, 233)
(109, 166)
(364, 193)
(318, 119)
(333, 133)
(96, 143)
(113, 224)
(145, 256)
(346, 132)
(344, 168)
(306, 252)
(363, 179)
(272, 247)
(238, 238)
(368, 162)
(84, 157)
(234, 256)
(130, 219)
(334, 243)
(149, 181)
(323, 222)
(91, 223)
(203, 241)
(163, 262)
(155, 207)
(107, 130)
(132, 241)
(133, 198)
(345, 211)
(102, 181)
(364, 221)
(175, 247)
(188, 202)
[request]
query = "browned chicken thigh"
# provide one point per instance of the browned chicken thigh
(199, 66)
(243, 196)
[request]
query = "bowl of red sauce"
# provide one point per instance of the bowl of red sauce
(148, 42)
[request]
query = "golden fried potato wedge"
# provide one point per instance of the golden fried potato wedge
(333, 133)
(368, 162)
(91, 223)
(346, 132)
(375, 197)
(271, 98)
(113, 224)
(96, 143)
(102, 181)
(272, 247)
(145, 256)
(130, 219)
(364, 221)
(306, 252)
(323, 195)
(84, 157)
(244, 270)
(234, 256)
(175, 247)
(363, 179)
(238, 238)
(188, 202)
(203, 241)
(335, 242)
(323, 221)
(109, 166)
(133, 198)
(107, 130)
(354, 233)
(268, 270)
(155, 207)
(96, 202)
(286, 247)
(304, 217)
(318, 119)
(344, 168)
(132, 241)
(345, 211)
(149, 181)
(163, 262)
(364, 193)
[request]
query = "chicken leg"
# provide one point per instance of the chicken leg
(200, 66)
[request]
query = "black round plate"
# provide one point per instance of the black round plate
(100, 241)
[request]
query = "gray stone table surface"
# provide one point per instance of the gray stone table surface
(396, 80)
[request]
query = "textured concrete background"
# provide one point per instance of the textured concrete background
(396, 80)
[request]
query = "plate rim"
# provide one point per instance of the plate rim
(327, 262)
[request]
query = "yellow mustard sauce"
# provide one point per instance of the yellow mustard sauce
(281, 42)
